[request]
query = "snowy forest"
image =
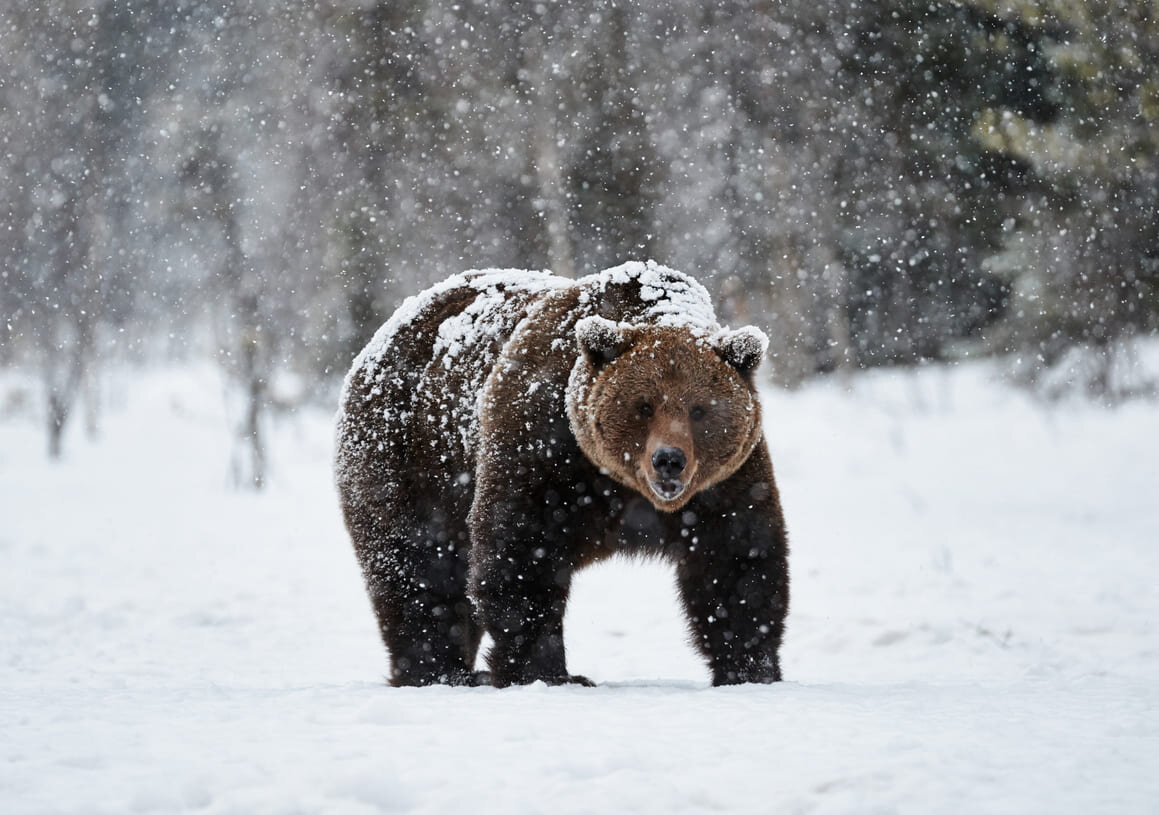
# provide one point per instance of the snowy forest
(943, 213)
(876, 182)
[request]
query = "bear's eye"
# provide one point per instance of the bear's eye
(696, 414)
(645, 410)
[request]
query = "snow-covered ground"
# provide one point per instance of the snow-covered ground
(973, 628)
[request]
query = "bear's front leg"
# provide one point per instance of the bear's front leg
(520, 579)
(526, 624)
(736, 609)
(733, 575)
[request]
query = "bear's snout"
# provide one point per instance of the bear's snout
(669, 466)
(671, 473)
(669, 462)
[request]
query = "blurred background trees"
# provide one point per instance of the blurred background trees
(877, 182)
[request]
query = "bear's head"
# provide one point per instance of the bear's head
(664, 410)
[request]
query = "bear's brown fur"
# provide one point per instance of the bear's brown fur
(507, 428)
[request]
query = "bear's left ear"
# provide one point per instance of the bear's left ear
(600, 339)
(743, 348)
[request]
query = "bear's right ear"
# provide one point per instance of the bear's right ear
(601, 340)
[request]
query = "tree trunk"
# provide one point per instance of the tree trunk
(545, 161)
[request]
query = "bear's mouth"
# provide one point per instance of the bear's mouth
(668, 489)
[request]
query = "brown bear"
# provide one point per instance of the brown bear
(506, 428)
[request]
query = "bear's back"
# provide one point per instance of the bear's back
(411, 394)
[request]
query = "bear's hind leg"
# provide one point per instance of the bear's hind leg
(416, 576)
(432, 638)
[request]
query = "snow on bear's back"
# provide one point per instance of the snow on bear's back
(663, 297)
(491, 285)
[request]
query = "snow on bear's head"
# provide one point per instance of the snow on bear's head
(665, 410)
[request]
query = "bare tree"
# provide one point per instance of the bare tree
(80, 107)
(243, 334)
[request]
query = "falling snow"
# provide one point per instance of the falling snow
(208, 208)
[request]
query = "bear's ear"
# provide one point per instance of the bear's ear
(601, 340)
(743, 348)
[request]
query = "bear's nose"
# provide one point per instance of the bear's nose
(669, 462)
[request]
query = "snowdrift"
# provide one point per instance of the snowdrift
(972, 629)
